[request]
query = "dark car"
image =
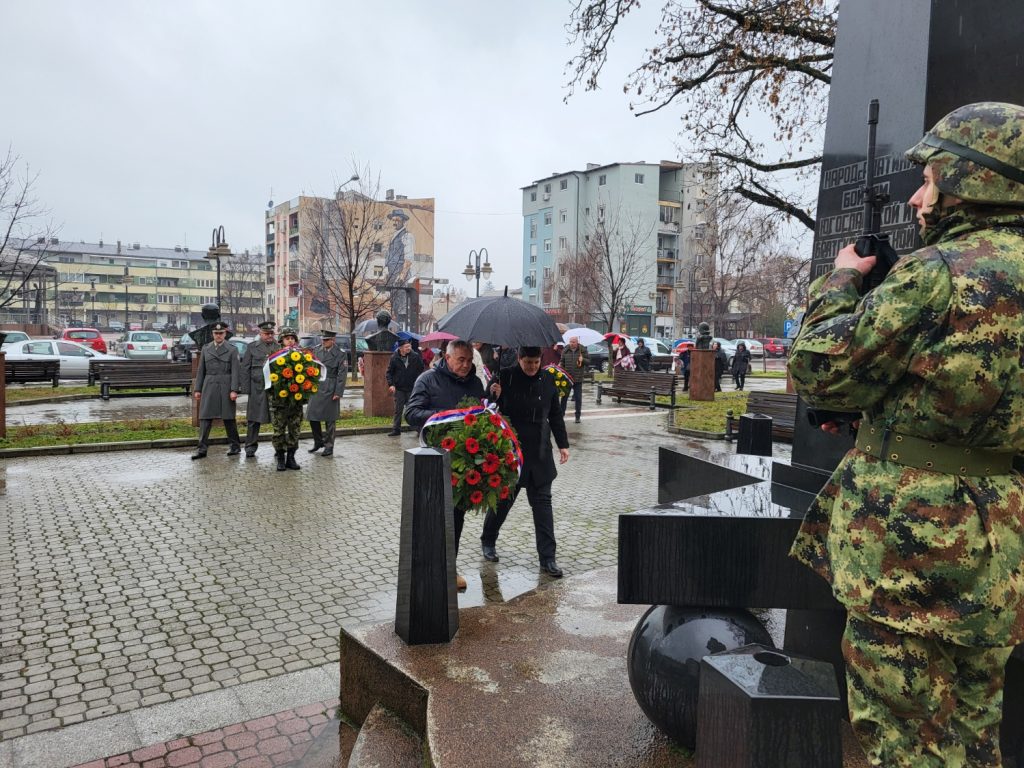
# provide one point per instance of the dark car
(598, 354)
(309, 340)
(185, 349)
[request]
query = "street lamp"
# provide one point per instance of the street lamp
(473, 268)
(126, 280)
(696, 285)
(355, 177)
(219, 249)
(92, 294)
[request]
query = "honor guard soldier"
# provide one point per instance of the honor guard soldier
(286, 415)
(216, 390)
(257, 409)
(325, 405)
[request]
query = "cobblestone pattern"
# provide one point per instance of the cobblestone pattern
(263, 743)
(131, 579)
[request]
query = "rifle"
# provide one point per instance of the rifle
(872, 242)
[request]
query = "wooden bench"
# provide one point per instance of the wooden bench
(781, 406)
(645, 387)
(24, 371)
(140, 374)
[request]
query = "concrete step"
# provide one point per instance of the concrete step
(384, 741)
(331, 749)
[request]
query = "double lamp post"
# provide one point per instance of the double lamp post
(474, 269)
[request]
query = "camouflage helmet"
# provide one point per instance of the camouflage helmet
(977, 153)
(286, 330)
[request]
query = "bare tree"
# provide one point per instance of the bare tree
(243, 286)
(777, 287)
(600, 279)
(24, 238)
(725, 64)
(347, 237)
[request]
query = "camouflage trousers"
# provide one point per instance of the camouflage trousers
(286, 421)
(919, 702)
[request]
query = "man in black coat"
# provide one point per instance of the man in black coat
(642, 356)
(528, 398)
(440, 389)
(404, 368)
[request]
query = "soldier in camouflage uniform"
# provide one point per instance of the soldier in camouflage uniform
(920, 530)
(286, 415)
(257, 409)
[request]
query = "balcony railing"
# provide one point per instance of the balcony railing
(666, 281)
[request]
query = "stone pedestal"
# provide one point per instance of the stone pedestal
(755, 437)
(702, 374)
(377, 401)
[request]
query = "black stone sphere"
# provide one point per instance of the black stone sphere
(664, 660)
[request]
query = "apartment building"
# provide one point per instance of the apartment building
(663, 207)
(397, 232)
(110, 285)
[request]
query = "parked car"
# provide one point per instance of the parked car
(598, 355)
(754, 347)
(729, 347)
(661, 353)
(13, 336)
(142, 345)
(183, 348)
(88, 336)
(775, 347)
(74, 358)
(116, 326)
(240, 343)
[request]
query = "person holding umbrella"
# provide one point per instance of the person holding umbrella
(527, 397)
(441, 389)
(574, 362)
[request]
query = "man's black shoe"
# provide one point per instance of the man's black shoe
(577, 419)
(394, 434)
(234, 451)
(490, 553)
(316, 447)
(551, 568)
(201, 455)
(250, 454)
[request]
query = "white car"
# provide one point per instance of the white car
(754, 347)
(74, 358)
(142, 345)
(13, 336)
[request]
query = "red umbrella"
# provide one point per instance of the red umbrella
(437, 336)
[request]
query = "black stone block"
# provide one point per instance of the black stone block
(428, 608)
(755, 435)
(759, 708)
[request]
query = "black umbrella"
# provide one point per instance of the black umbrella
(501, 321)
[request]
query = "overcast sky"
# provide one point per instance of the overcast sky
(156, 121)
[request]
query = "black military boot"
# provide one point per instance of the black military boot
(279, 455)
(291, 463)
(318, 436)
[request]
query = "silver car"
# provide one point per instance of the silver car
(74, 358)
(142, 345)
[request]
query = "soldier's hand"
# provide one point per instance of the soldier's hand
(563, 455)
(391, 390)
(233, 395)
(496, 389)
(198, 395)
(847, 258)
(336, 397)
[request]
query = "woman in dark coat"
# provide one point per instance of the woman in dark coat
(721, 363)
(740, 365)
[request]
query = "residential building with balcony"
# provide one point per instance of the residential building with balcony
(663, 207)
(400, 241)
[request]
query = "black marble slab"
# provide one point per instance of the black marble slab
(427, 608)
(755, 435)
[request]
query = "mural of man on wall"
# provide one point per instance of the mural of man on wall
(401, 250)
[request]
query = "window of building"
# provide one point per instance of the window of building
(563, 215)
(667, 214)
(533, 253)
(533, 196)
(533, 229)
(563, 184)
(602, 180)
(547, 245)
(600, 213)
(547, 274)
(563, 244)
(586, 211)
(547, 189)
(547, 218)
(699, 231)
(638, 178)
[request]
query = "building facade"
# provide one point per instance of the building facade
(115, 285)
(662, 205)
(397, 234)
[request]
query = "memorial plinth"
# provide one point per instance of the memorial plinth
(377, 401)
(702, 374)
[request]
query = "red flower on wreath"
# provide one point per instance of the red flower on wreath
(494, 437)
(494, 481)
(495, 420)
(510, 459)
(472, 477)
(491, 463)
(293, 387)
(455, 480)
(448, 443)
(472, 445)
(476, 497)
(507, 433)
(307, 385)
(287, 373)
(470, 419)
(504, 492)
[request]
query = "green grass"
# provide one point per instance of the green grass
(65, 433)
(710, 416)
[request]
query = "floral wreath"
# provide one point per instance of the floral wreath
(292, 375)
(563, 381)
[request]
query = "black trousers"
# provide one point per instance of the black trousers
(539, 497)
(205, 425)
(577, 396)
(739, 379)
(401, 398)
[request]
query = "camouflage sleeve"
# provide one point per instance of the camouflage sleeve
(851, 350)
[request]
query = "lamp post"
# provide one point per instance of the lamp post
(219, 249)
(74, 305)
(355, 177)
(473, 268)
(695, 286)
(92, 295)
(126, 280)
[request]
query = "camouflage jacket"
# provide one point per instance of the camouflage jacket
(936, 351)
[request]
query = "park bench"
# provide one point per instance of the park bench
(140, 374)
(781, 406)
(645, 387)
(24, 371)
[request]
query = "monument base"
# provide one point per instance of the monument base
(377, 401)
(702, 374)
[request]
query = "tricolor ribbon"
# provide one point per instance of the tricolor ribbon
(458, 414)
(288, 351)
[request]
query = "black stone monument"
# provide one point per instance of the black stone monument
(383, 340)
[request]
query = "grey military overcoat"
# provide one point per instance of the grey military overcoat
(322, 406)
(251, 379)
(216, 378)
